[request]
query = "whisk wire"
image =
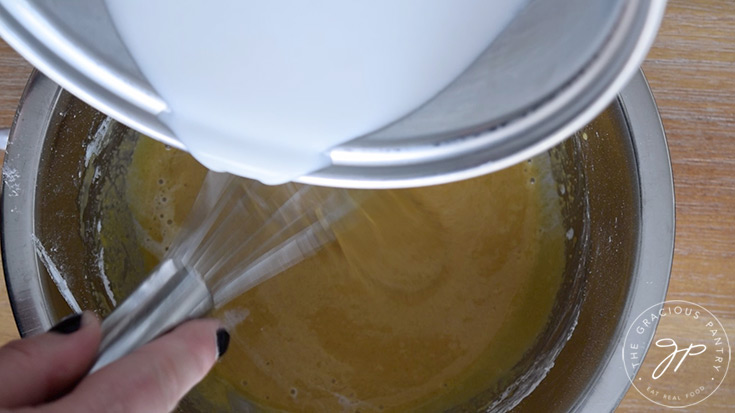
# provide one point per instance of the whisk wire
(241, 233)
(244, 229)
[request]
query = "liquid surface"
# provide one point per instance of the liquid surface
(263, 89)
(430, 298)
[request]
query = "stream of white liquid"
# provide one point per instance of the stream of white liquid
(265, 89)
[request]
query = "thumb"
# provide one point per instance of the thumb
(40, 368)
(154, 377)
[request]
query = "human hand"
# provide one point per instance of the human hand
(46, 373)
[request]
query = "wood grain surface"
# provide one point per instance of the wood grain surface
(691, 69)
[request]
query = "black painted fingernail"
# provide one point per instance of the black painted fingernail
(223, 341)
(68, 324)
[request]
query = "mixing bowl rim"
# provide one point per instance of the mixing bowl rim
(565, 112)
(652, 270)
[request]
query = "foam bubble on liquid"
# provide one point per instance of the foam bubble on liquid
(264, 89)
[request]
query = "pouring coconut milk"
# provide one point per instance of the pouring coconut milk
(264, 89)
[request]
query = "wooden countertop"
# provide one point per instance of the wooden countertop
(691, 69)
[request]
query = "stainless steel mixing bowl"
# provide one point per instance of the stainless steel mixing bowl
(619, 207)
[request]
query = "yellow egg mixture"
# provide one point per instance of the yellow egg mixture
(432, 295)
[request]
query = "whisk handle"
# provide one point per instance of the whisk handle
(170, 295)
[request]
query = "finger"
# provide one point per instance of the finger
(151, 379)
(39, 368)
